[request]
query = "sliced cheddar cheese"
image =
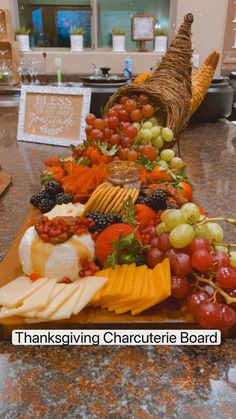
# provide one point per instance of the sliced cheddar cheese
(140, 290)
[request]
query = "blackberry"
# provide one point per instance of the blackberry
(63, 198)
(142, 199)
(102, 220)
(169, 206)
(53, 188)
(142, 191)
(46, 204)
(142, 196)
(157, 201)
(36, 199)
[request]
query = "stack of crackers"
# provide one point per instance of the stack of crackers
(108, 198)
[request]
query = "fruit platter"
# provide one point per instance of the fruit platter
(115, 237)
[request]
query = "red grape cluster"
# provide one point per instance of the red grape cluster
(117, 128)
(216, 278)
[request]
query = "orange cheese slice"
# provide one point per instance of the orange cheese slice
(127, 287)
(138, 292)
(117, 286)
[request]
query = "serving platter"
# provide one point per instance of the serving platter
(162, 316)
(167, 315)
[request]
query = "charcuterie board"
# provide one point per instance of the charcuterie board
(167, 315)
(161, 316)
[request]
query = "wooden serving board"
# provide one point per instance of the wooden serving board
(5, 181)
(166, 315)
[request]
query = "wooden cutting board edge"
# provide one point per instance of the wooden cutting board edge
(5, 180)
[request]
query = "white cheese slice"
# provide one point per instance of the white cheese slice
(65, 210)
(36, 301)
(66, 310)
(57, 290)
(57, 302)
(18, 290)
(92, 284)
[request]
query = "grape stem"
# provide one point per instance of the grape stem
(212, 220)
(227, 245)
(228, 299)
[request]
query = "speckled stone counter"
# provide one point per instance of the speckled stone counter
(119, 382)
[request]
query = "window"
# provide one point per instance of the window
(50, 21)
(117, 14)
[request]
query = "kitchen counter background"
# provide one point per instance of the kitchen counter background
(119, 382)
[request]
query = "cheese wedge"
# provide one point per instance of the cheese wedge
(92, 284)
(18, 290)
(66, 210)
(36, 301)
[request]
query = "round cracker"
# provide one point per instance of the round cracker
(120, 200)
(112, 204)
(110, 198)
(100, 196)
(136, 194)
(103, 198)
(121, 206)
(92, 199)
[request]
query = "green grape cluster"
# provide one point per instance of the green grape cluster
(184, 224)
(151, 133)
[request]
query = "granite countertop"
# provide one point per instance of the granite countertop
(119, 382)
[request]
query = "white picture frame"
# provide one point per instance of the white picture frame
(53, 114)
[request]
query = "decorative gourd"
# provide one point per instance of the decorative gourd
(202, 79)
(141, 78)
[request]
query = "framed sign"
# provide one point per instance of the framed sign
(53, 115)
(143, 27)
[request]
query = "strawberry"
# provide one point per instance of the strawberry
(111, 234)
(144, 215)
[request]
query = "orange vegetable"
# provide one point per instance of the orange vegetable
(84, 180)
(95, 156)
(144, 175)
(57, 172)
(186, 190)
(144, 215)
(69, 166)
(159, 174)
(53, 161)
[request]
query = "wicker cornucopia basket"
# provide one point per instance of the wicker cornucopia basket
(169, 87)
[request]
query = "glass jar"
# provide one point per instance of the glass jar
(124, 173)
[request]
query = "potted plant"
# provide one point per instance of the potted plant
(160, 40)
(77, 39)
(22, 37)
(118, 40)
